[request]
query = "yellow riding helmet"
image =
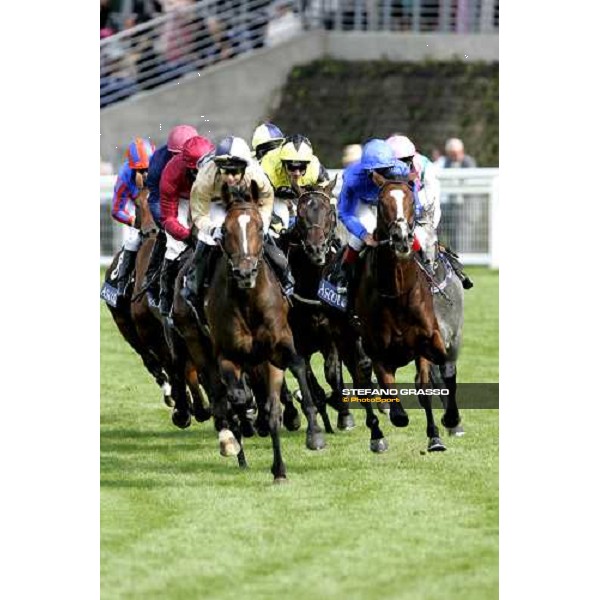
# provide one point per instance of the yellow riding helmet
(296, 148)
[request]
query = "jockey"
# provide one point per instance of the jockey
(266, 138)
(232, 164)
(294, 162)
(357, 205)
(130, 182)
(424, 173)
(177, 138)
(175, 186)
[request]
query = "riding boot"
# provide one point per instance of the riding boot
(125, 270)
(280, 266)
(342, 278)
(193, 291)
(452, 257)
(151, 281)
(168, 275)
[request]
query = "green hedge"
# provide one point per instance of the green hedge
(336, 103)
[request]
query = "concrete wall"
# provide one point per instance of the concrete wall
(236, 95)
(362, 45)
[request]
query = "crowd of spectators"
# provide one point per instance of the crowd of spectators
(191, 36)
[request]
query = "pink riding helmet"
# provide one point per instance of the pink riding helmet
(178, 136)
(401, 145)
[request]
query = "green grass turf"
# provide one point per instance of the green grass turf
(180, 522)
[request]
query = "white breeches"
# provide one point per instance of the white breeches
(367, 215)
(280, 208)
(133, 239)
(175, 247)
(216, 216)
(427, 237)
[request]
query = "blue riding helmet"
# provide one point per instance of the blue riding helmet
(377, 154)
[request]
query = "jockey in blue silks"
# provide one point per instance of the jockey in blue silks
(357, 205)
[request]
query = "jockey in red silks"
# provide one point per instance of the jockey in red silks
(178, 136)
(130, 181)
(175, 186)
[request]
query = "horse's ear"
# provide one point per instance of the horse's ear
(254, 191)
(331, 186)
(226, 194)
(379, 180)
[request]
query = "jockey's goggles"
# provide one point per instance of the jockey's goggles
(386, 172)
(292, 166)
(232, 169)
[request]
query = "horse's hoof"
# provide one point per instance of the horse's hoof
(280, 480)
(379, 446)
(450, 423)
(248, 429)
(168, 400)
(435, 445)
(399, 419)
(228, 445)
(181, 419)
(457, 431)
(291, 419)
(315, 441)
(242, 464)
(345, 422)
(202, 414)
(297, 396)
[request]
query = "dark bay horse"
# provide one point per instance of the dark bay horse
(248, 319)
(396, 308)
(308, 246)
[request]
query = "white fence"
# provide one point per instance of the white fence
(470, 200)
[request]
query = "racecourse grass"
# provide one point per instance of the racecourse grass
(180, 522)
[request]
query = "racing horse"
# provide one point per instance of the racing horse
(247, 316)
(308, 245)
(141, 324)
(401, 319)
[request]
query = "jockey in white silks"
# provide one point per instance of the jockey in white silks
(425, 176)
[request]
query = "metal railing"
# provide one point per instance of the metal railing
(188, 39)
(470, 199)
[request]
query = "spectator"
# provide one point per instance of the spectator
(116, 77)
(455, 157)
(140, 11)
(285, 25)
(108, 23)
(219, 48)
(352, 154)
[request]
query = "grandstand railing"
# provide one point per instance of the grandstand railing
(188, 39)
(470, 199)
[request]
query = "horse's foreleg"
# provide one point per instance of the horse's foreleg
(451, 418)
(181, 415)
(387, 379)
(319, 396)
(291, 416)
(274, 381)
(230, 376)
(200, 407)
(423, 382)
(333, 376)
(315, 440)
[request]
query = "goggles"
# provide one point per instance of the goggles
(292, 166)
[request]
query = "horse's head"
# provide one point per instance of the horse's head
(316, 221)
(396, 217)
(242, 232)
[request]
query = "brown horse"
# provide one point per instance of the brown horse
(247, 315)
(395, 305)
(142, 326)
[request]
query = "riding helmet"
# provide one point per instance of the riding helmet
(178, 136)
(139, 153)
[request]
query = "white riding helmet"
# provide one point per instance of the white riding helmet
(233, 150)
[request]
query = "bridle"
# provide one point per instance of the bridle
(332, 215)
(397, 222)
(234, 257)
